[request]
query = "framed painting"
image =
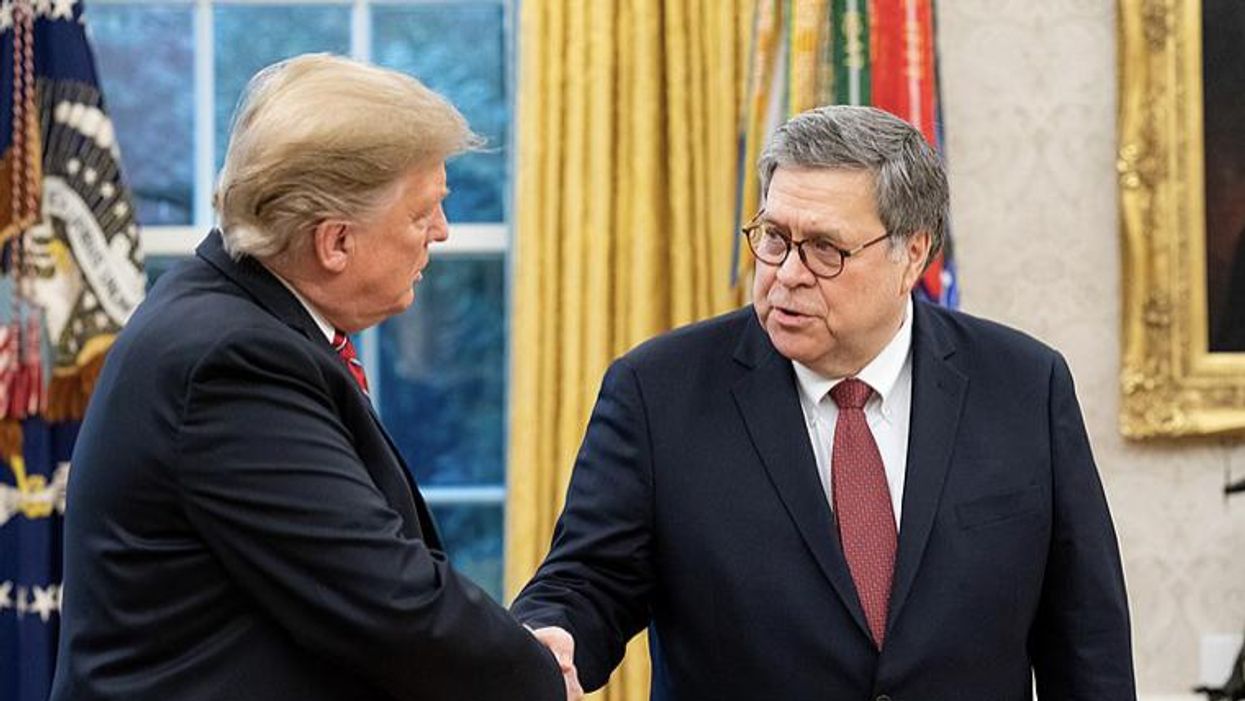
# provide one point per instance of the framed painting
(1181, 166)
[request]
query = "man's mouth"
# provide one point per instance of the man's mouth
(790, 316)
(790, 310)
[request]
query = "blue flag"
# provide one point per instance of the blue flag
(32, 503)
(70, 275)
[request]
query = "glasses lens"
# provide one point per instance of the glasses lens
(768, 244)
(822, 257)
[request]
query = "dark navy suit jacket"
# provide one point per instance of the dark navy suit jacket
(240, 526)
(695, 509)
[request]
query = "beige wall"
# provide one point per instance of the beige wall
(1029, 105)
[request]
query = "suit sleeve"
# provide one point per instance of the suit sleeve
(597, 579)
(1080, 642)
(271, 481)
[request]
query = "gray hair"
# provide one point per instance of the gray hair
(320, 136)
(910, 184)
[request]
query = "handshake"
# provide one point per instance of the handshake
(562, 645)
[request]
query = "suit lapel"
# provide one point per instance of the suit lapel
(422, 514)
(767, 398)
(938, 391)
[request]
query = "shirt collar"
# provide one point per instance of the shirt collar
(323, 324)
(881, 373)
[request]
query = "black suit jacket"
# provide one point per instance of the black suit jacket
(695, 508)
(240, 526)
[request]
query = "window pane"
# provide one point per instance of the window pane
(459, 50)
(249, 37)
(442, 373)
(145, 56)
(473, 541)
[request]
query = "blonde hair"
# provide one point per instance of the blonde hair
(320, 136)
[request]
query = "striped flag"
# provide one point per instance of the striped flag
(849, 51)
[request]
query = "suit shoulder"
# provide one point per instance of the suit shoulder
(698, 342)
(191, 315)
(980, 338)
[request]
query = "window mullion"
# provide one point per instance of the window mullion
(205, 113)
(361, 30)
(464, 495)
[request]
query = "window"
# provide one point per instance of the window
(172, 72)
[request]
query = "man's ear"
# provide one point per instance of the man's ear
(333, 243)
(916, 252)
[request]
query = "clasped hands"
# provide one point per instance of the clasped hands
(562, 645)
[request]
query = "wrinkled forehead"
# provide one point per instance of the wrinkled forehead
(820, 198)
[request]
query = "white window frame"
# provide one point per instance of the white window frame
(471, 238)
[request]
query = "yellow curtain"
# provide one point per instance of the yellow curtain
(628, 142)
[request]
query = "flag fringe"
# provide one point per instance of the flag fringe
(68, 393)
(10, 438)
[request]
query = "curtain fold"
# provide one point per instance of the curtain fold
(629, 116)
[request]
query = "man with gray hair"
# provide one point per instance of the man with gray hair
(840, 492)
(239, 525)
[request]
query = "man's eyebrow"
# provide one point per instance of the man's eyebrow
(433, 202)
(833, 235)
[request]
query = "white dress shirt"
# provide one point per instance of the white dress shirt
(888, 411)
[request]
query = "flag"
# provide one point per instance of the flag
(70, 275)
(32, 504)
(807, 53)
(905, 83)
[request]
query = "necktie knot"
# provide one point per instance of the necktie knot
(345, 350)
(851, 394)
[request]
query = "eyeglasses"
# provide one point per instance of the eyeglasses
(822, 258)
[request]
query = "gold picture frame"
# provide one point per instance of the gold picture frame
(1172, 384)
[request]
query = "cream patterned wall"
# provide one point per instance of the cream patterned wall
(1029, 94)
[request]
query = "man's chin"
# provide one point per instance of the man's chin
(397, 307)
(791, 346)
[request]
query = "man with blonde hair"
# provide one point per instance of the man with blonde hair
(239, 524)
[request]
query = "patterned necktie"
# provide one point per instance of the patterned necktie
(862, 504)
(345, 349)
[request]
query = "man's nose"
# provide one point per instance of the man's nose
(440, 226)
(793, 272)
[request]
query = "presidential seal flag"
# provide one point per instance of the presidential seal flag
(72, 274)
(70, 222)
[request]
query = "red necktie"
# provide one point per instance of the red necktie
(345, 349)
(862, 504)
